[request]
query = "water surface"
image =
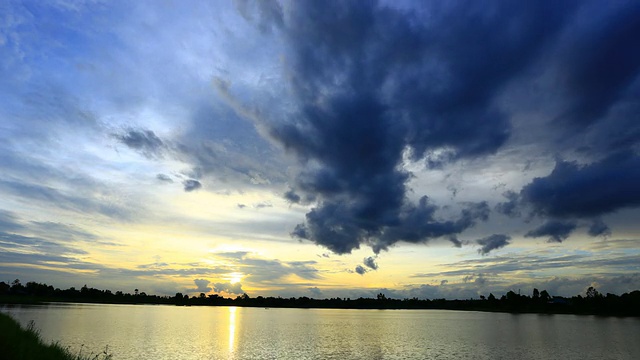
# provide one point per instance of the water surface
(174, 332)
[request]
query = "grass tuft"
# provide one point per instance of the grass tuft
(27, 344)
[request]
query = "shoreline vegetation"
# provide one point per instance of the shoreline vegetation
(18, 343)
(592, 303)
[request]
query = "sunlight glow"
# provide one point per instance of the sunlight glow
(235, 277)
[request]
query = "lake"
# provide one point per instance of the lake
(174, 332)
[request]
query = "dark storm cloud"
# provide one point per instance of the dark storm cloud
(596, 67)
(330, 226)
(292, 197)
(455, 241)
(556, 230)
(493, 242)
(370, 262)
(144, 141)
(511, 206)
(601, 64)
(371, 82)
(599, 228)
(191, 185)
(582, 191)
(574, 191)
(419, 224)
(360, 269)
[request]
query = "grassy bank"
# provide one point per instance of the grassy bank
(17, 343)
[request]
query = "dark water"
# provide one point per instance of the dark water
(170, 332)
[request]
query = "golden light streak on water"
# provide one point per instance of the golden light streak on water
(232, 328)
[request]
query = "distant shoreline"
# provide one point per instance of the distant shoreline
(368, 304)
(541, 302)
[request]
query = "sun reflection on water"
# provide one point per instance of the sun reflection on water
(232, 328)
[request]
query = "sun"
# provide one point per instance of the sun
(235, 277)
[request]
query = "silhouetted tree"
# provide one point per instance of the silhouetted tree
(544, 295)
(17, 287)
(592, 293)
(4, 288)
(536, 294)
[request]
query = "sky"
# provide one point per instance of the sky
(430, 149)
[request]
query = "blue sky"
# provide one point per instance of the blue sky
(429, 149)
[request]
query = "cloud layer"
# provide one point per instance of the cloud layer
(134, 131)
(375, 86)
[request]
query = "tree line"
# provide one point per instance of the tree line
(592, 302)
